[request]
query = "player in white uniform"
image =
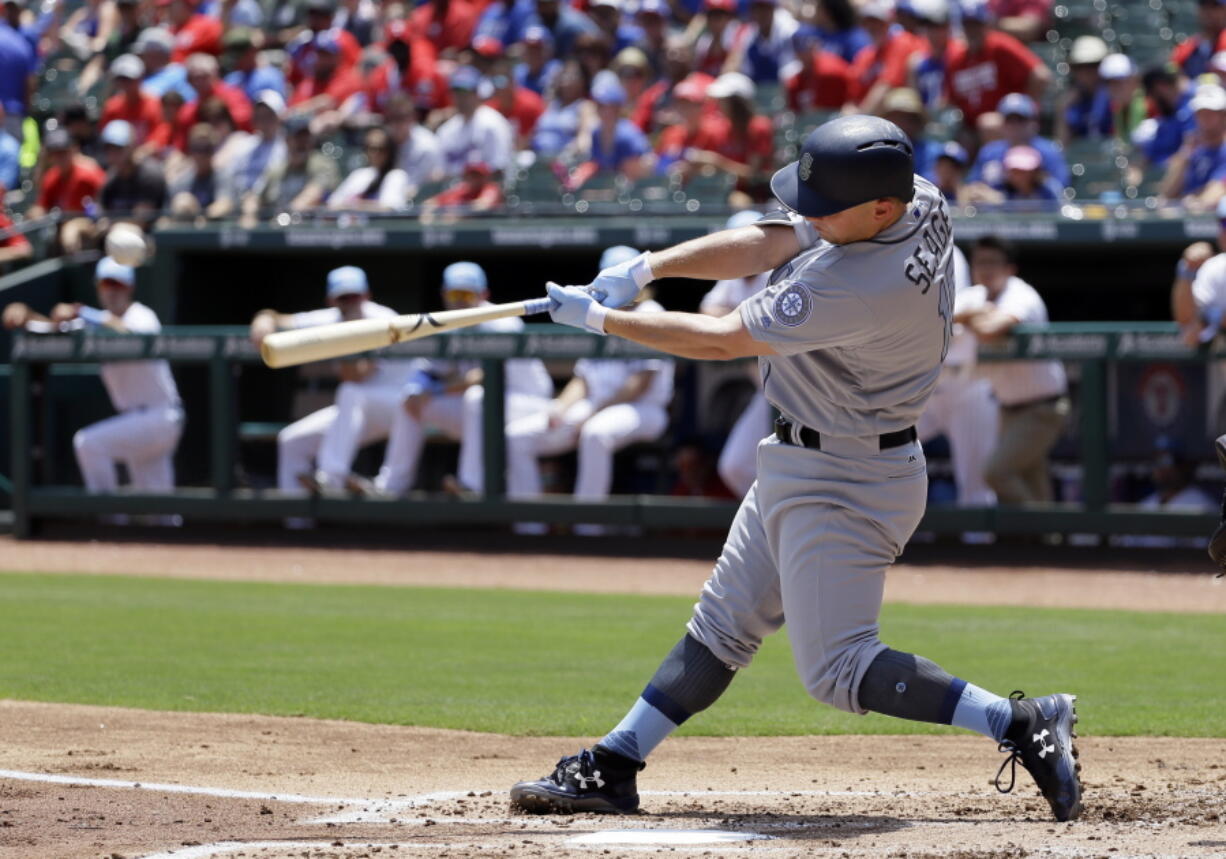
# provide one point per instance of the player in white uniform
(446, 396)
(145, 433)
(1198, 299)
(366, 399)
(607, 405)
(738, 461)
(1031, 394)
(963, 409)
(850, 334)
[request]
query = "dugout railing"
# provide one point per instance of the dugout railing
(226, 351)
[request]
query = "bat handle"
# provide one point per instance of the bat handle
(534, 306)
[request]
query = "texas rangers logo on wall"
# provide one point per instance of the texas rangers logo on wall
(792, 305)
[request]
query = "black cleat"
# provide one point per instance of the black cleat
(594, 780)
(1042, 739)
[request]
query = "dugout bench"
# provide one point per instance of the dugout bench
(226, 353)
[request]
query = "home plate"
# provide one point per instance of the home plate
(662, 837)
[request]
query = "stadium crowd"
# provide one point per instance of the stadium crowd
(184, 109)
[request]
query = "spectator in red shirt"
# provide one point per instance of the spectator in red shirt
(411, 68)
(203, 76)
(1024, 20)
(164, 135)
(993, 65)
(71, 183)
(520, 105)
(194, 34)
(141, 109)
(14, 246)
(475, 191)
(748, 150)
(656, 107)
(301, 49)
(446, 24)
(881, 65)
(821, 78)
(720, 37)
(329, 84)
(1192, 55)
(699, 131)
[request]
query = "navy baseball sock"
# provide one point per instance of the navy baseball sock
(912, 687)
(689, 680)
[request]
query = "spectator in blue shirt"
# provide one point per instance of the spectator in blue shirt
(154, 47)
(1196, 174)
(536, 70)
(949, 169)
(1025, 184)
(10, 152)
(608, 17)
(928, 71)
(835, 23)
(18, 64)
(1160, 136)
(243, 44)
(1020, 127)
(1086, 108)
(564, 22)
(617, 143)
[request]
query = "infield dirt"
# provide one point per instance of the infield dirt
(405, 791)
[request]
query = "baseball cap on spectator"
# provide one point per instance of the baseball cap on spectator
(1017, 104)
(272, 100)
(154, 37)
(464, 277)
(238, 39)
(902, 100)
(1023, 158)
(328, 40)
(128, 66)
(652, 7)
(487, 46)
(109, 269)
(743, 218)
(1087, 50)
(955, 153)
(347, 280)
(616, 254)
(976, 10)
(881, 10)
(691, 89)
(465, 78)
(932, 11)
(731, 84)
(1209, 97)
(1116, 67)
(57, 140)
(607, 89)
(631, 56)
(537, 35)
(118, 132)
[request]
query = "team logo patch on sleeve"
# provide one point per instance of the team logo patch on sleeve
(792, 304)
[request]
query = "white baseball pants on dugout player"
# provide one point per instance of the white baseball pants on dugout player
(597, 434)
(738, 461)
(364, 414)
(963, 410)
(144, 440)
(444, 414)
(812, 541)
(299, 445)
(517, 406)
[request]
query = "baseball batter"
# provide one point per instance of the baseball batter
(738, 461)
(146, 430)
(446, 396)
(850, 334)
(366, 399)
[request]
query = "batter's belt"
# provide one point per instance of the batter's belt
(790, 433)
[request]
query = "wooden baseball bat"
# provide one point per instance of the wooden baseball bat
(320, 342)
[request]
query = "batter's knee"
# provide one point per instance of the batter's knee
(835, 676)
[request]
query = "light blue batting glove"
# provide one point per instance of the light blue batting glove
(575, 306)
(618, 285)
(1212, 316)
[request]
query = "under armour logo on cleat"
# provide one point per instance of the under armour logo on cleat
(1043, 747)
(594, 780)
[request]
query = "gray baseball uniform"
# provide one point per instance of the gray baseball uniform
(860, 331)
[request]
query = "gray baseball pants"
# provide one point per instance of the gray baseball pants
(811, 544)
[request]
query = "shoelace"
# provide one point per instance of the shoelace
(586, 764)
(1015, 754)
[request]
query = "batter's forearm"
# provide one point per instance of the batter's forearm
(727, 254)
(686, 335)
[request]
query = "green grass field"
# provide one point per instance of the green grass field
(548, 663)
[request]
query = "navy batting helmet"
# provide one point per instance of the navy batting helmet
(846, 162)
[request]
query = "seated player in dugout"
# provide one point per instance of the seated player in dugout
(850, 334)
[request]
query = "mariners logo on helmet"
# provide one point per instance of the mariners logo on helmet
(806, 167)
(793, 304)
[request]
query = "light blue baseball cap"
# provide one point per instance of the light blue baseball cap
(347, 280)
(109, 269)
(743, 218)
(118, 132)
(466, 276)
(616, 254)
